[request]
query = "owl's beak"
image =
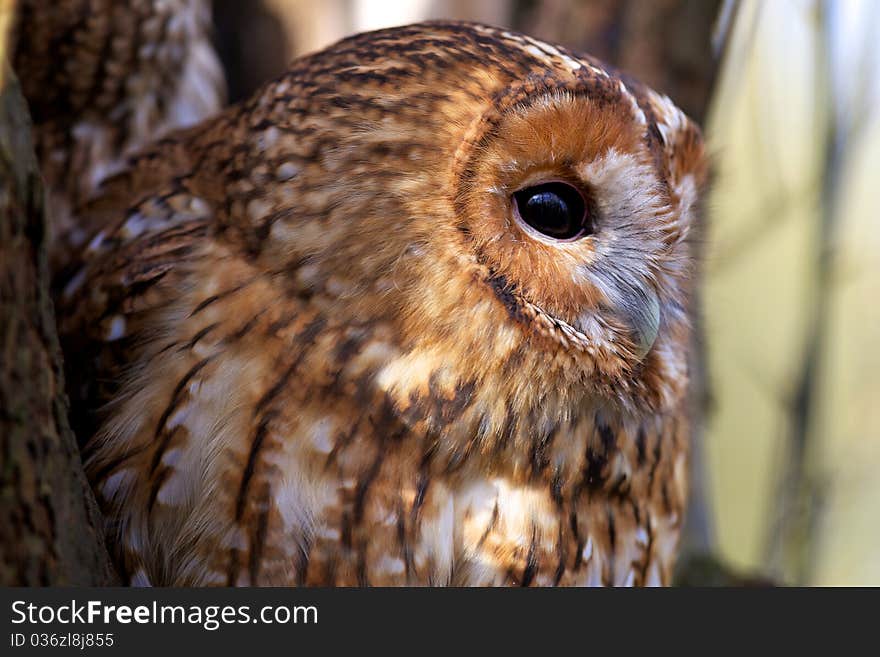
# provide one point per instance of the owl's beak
(638, 309)
(641, 311)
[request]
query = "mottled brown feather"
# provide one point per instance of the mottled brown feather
(103, 80)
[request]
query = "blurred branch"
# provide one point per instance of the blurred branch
(665, 43)
(252, 44)
(706, 570)
(723, 27)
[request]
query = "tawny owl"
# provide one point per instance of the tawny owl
(416, 313)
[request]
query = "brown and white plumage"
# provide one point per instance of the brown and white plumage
(104, 79)
(332, 352)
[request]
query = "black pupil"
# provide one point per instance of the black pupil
(554, 209)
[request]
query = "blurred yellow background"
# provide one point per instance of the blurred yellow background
(800, 78)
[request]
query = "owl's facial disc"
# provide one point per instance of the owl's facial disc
(574, 223)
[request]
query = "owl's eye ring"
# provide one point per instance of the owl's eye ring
(554, 209)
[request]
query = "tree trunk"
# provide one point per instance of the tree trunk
(50, 526)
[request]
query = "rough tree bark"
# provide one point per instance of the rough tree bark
(49, 522)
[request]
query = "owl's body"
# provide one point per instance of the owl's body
(330, 350)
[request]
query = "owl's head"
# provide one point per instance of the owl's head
(516, 210)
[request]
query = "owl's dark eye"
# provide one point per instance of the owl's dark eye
(554, 209)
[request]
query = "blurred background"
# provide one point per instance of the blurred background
(787, 455)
